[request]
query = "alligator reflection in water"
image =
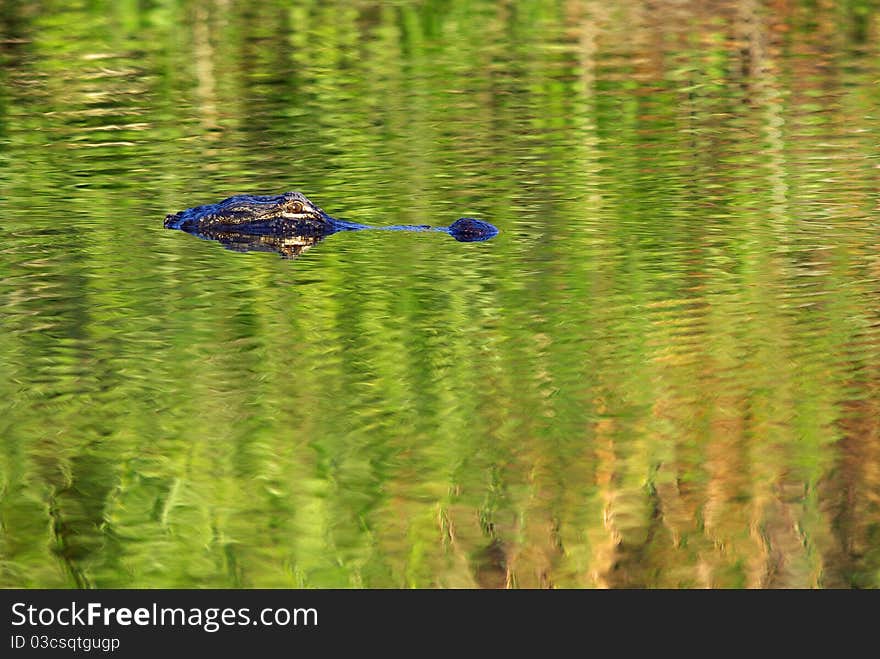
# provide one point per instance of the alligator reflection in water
(289, 224)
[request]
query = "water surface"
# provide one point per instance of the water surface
(665, 371)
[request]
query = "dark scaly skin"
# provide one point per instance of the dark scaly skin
(289, 223)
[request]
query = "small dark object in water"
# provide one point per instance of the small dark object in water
(289, 224)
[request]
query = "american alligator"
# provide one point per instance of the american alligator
(289, 223)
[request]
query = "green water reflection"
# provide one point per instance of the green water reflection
(664, 372)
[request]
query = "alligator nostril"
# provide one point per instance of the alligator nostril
(178, 221)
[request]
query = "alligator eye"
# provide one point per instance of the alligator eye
(296, 206)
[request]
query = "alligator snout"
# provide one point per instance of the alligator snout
(176, 221)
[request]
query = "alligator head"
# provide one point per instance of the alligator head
(290, 212)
